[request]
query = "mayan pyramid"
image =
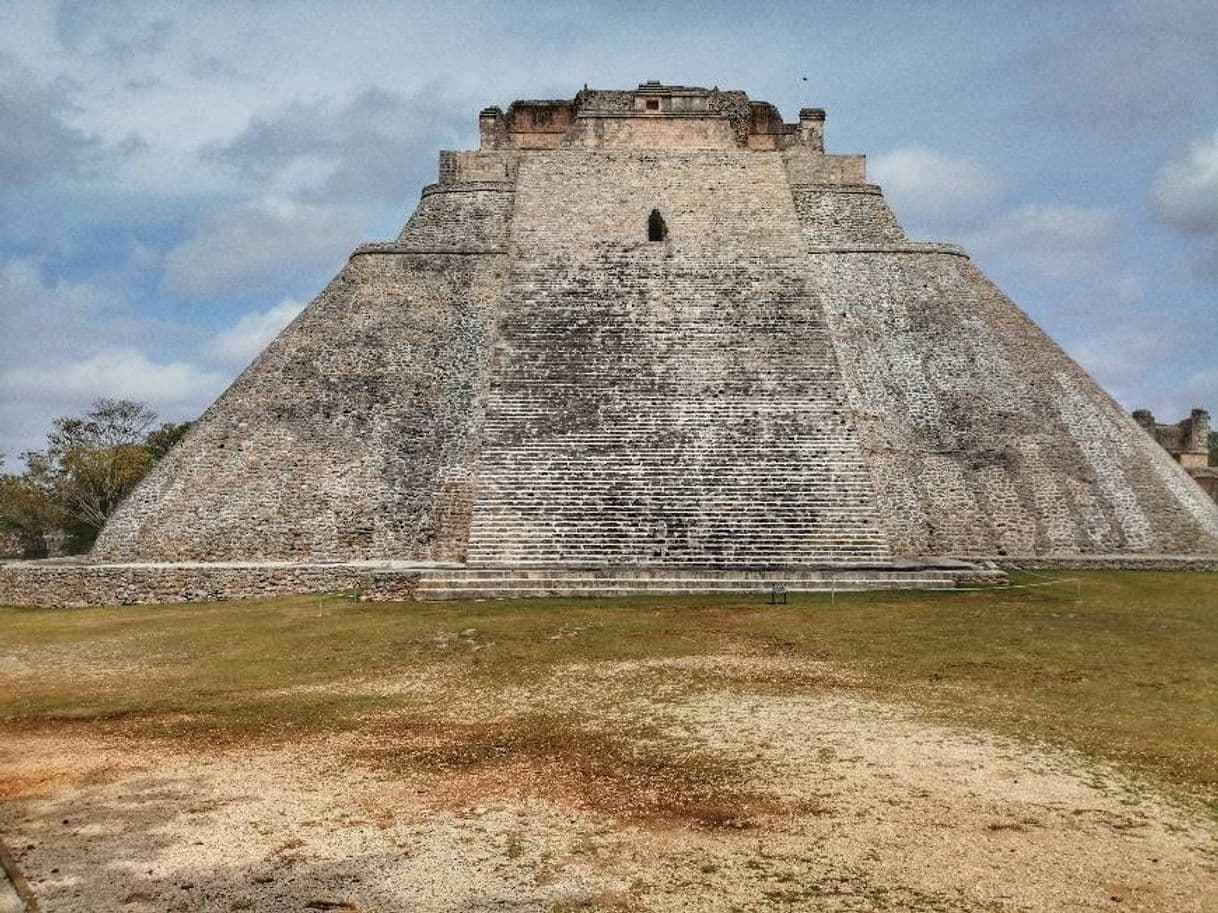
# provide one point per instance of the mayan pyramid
(659, 328)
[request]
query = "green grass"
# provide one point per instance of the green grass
(1122, 665)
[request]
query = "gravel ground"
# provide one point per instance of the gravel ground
(841, 803)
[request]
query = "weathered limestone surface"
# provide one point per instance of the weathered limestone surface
(54, 584)
(471, 217)
(353, 436)
(845, 215)
(522, 377)
(984, 437)
(675, 402)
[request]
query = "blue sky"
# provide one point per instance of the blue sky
(178, 179)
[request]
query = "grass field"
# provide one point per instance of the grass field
(1052, 746)
(1122, 666)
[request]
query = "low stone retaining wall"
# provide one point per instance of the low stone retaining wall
(75, 583)
(49, 584)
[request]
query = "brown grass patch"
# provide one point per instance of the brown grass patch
(764, 673)
(630, 776)
(15, 785)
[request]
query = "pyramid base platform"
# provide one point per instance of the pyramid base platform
(76, 582)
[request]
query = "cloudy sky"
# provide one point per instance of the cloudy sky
(178, 179)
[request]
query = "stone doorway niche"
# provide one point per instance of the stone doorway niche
(657, 230)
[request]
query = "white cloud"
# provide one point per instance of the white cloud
(927, 187)
(1199, 390)
(64, 344)
(1051, 242)
(253, 248)
(33, 393)
(1186, 189)
(113, 31)
(1185, 192)
(239, 344)
(30, 304)
(369, 149)
(44, 321)
(39, 141)
(116, 373)
(1122, 357)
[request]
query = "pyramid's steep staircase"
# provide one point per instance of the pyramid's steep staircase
(605, 581)
(666, 404)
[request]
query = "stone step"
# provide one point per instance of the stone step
(648, 585)
(508, 587)
(686, 407)
(672, 572)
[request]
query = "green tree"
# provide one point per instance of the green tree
(91, 462)
(26, 513)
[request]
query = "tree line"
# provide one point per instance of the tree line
(90, 463)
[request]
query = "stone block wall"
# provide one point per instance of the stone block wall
(1188, 441)
(51, 584)
(845, 214)
(1207, 479)
(806, 167)
(355, 433)
(470, 217)
(982, 435)
(672, 402)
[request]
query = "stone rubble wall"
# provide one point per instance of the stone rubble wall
(809, 167)
(984, 437)
(47, 584)
(1207, 480)
(667, 134)
(675, 402)
(845, 214)
(470, 217)
(72, 584)
(462, 166)
(354, 435)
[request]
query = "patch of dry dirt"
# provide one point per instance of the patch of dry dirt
(610, 786)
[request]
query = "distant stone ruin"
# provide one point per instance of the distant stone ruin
(1188, 443)
(655, 339)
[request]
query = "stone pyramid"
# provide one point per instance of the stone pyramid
(659, 328)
